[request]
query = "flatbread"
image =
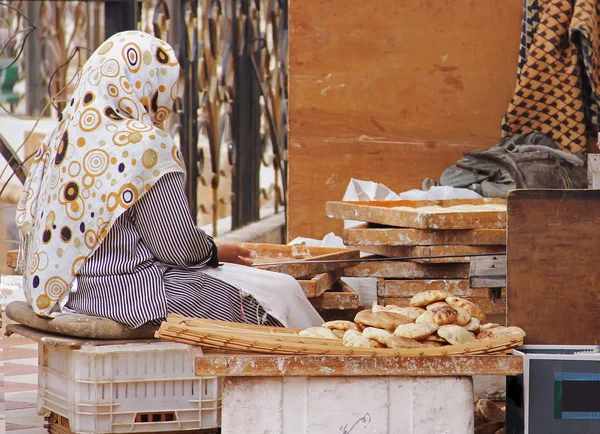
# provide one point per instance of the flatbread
(469, 306)
(416, 331)
(355, 339)
(473, 325)
(437, 305)
(445, 315)
(426, 317)
(317, 332)
(463, 317)
(341, 325)
(381, 320)
(500, 333)
(456, 335)
(427, 297)
(397, 342)
(378, 335)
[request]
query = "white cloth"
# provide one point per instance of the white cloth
(280, 295)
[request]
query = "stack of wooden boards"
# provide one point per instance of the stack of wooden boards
(425, 229)
(320, 281)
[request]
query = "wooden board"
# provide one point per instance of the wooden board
(488, 272)
(408, 270)
(366, 235)
(320, 283)
(421, 251)
(392, 91)
(342, 297)
(553, 270)
(409, 288)
(488, 307)
(426, 214)
(269, 253)
(351, 366)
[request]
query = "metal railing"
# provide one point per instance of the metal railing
(231, 123)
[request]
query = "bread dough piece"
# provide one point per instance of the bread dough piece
(445, 315)
(411, 312)
(378, 335)
(341, 325)
(397, 342)
(463, 318)
(317, 332)
(489, 325)
(416, 331)
(473, 325)
(381, 320)
(469, 306)
(500, 333)
(427, 297)
(437, 305)
(426, 317)
(355, 339)
(339, 333)
(456, 335)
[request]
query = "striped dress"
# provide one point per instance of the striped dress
(151, 264)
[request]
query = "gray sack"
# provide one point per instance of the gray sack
(523, 161)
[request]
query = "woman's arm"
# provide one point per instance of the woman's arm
(164, 222)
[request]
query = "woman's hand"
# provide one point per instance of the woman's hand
(235, 254)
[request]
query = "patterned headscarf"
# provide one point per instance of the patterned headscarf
(104, 154)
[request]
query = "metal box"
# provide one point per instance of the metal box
(558, 392)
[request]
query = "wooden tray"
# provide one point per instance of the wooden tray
(367, 235)
(408, 270)
(409, 288)
(341, 297)
(447, 214)
(320, 283)
(420, 251)
(208, 333)
(268, 253)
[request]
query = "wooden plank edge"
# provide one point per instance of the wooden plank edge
(357, 366)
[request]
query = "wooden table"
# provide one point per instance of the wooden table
(349, 394)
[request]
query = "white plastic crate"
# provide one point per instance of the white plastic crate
(149, 387)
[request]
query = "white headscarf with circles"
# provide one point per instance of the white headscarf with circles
(104, 154)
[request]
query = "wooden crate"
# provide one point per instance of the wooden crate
(408, 270)
(320, 283)
(453, 252)
(388, 288)
(374, 235)
(341, 297)
(425, 214)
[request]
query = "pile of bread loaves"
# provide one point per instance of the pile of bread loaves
(434, 319)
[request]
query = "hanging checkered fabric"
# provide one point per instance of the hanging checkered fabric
(558, 73)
